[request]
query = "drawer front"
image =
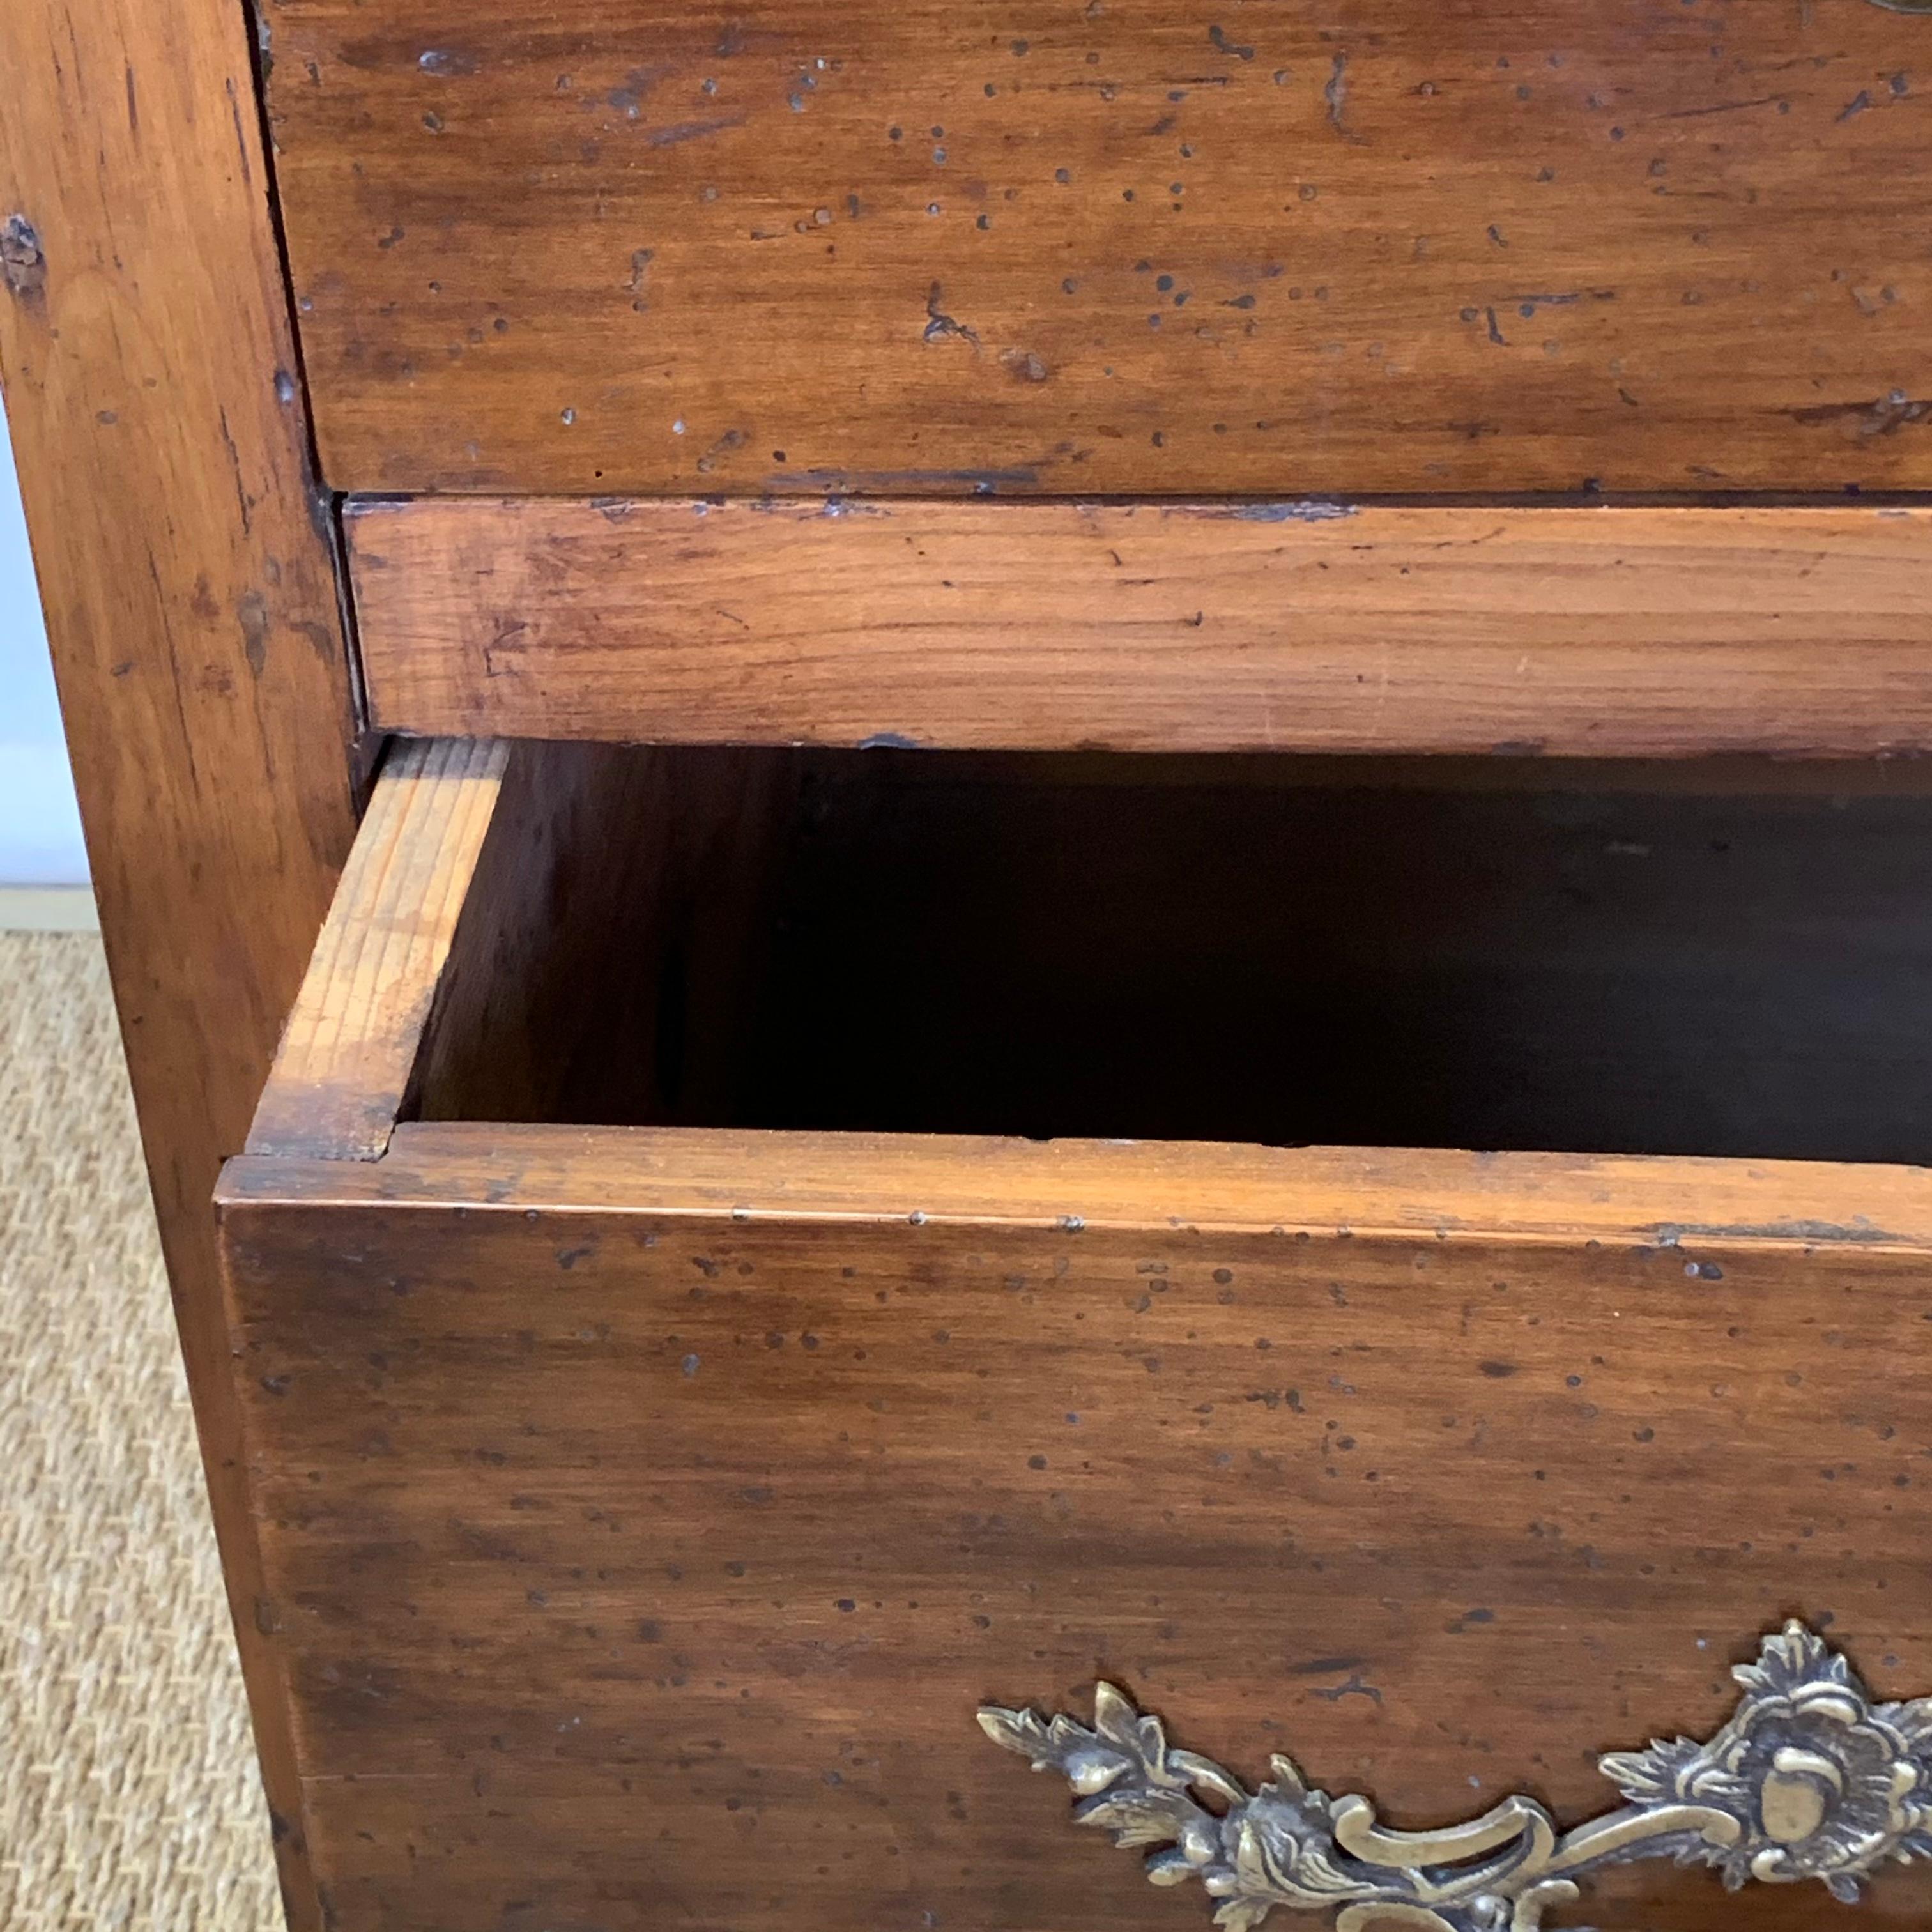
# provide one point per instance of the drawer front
(650, 1513)
(647, 1560)
(1505, 245)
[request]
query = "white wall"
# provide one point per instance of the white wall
(40, 828)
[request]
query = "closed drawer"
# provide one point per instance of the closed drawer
(668, 1427)
(900, 246)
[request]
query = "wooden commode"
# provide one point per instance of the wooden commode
(1125, 891)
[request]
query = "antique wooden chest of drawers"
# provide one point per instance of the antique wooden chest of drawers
(1143, 933)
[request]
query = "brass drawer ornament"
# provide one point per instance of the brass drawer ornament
(1808, 1779)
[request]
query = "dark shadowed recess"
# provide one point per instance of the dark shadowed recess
(1533, 955)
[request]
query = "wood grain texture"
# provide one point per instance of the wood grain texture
(648, 1511)
(186, 568)
(1644, 632)
(349, 1050)
(1509, 244)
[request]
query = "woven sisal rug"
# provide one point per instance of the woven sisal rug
(127, 1794)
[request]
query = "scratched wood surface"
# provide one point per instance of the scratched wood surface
(1508, 245)
(647, 1512)
(1289, 626)
(186, 565)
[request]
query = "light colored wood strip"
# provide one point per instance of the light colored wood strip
(1427, 1193)
(1642, 633)
(350, 1045)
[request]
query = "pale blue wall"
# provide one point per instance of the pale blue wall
(40, 828)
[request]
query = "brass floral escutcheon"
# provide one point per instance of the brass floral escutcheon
(1808, 1779)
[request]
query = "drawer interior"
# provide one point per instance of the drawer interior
(1733, 959)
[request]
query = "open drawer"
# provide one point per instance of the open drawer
(668, 1427)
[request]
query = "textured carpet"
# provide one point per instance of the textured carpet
(128, 1793)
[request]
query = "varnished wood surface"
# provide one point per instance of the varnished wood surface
(185, 563)
(349, 1049)
(1511, 245)
(648, 1512)
(1270, 627)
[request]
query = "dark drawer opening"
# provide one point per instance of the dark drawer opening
(1722, 959)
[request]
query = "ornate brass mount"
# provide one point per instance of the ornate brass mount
(1808, 1779)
